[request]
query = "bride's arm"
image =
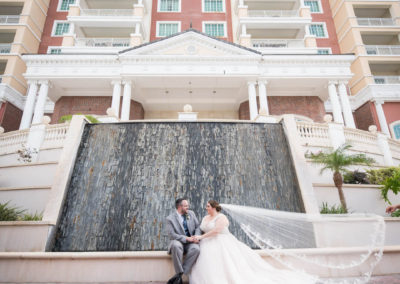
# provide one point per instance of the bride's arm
(221, 223)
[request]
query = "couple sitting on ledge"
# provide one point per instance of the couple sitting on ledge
(213, 255)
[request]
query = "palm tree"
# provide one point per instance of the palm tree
(338, 161)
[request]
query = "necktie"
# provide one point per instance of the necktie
(185, 226)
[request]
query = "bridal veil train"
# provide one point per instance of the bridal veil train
(283, 236)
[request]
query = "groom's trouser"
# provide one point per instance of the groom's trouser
(191, 252)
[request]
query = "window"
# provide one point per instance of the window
(65, 5)
(395, 127)
(169, 5)
(61, 28)
(324, 51)
(318, 30)
(213, 6)
(167, 28)
(214, 29)
(54, 50)
(315, 6)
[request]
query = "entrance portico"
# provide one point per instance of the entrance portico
(213, 76)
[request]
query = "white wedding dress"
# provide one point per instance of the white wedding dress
(225, 260)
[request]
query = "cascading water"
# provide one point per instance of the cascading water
(128, 175)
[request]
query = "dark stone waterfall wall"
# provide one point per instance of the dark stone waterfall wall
(127, 176)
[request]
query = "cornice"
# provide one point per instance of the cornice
(386, 93)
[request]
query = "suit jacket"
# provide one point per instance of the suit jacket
(175, 230)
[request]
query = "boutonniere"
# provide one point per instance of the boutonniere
(187, 216)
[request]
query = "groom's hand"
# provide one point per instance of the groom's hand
(190, 239)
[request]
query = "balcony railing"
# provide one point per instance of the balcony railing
(1, 78)
(277, 43)
(9, 19)
(5, 47)
(107, 12)
(376, 22)
(273, 13)
(383, 49)
(387, 79)
(103, 42)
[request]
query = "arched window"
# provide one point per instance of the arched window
(395, 129)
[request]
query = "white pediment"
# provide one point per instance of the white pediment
(190, 43)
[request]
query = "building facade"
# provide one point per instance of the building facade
(21, 26)
(292, 32)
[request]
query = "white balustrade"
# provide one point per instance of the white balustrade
(313, 134)
(9, 19)
(12, 141)
(273, 13)
(277, 43)
(362, 140)
(107, 12)
(376, 22)
(383, 49)
(102, 42)
(387, 79)
(1, 78)
(5, 47)
(394, 146)
(55, 135)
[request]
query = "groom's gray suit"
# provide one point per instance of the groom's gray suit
(178, 245)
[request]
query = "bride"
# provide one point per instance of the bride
(225, 260)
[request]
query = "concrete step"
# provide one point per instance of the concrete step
(33, 199)
(147, 267)
(25, 175)
(45, 155)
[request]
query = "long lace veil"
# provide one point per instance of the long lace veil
(346, 247)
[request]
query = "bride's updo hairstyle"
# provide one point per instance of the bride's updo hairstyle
(215, 204)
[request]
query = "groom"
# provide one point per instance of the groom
(182, 225)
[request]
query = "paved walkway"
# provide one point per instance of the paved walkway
(388, 279)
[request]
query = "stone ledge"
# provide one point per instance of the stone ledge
(25, 223)
(374, 186)
(46, 187)
(29, 164)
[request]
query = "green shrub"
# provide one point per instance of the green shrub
(380, 175)
(32, 217)
(355, 177)
(68, 117)
(326, 209)
(396, 213)
(391, 183)
(8, 213)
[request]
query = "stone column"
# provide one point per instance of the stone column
(126, 101)
(344, 99)
(262, 93)
(385, 148)
(336, 109)
(29, 105)
(116, 97)
(41, 102)
(252, 100)
(382, 117)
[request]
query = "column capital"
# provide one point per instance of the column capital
(378, 101)
(262, 81)
(332, 82)
(251, 83)
(127, 82)
(116, 81)
(30, 82)
(344, 82)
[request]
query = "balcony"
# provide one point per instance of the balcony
(376, 22)
(273, 13)
(9, 19)
(387, 79)
(102, 42)
(281, 46)
(382, 49)
(107, 12)
(5, 48)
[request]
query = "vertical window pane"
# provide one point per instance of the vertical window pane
(167, 29)
(213, 6)
(216, 30)
(317, 30)
(65, 4)
(62, 28)
(169, 5)
(396, 129)
(314, 6)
